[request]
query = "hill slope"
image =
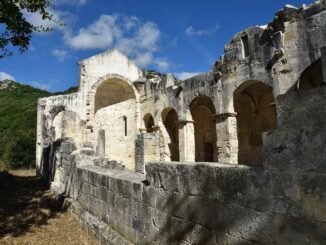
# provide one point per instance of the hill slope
(18, 109)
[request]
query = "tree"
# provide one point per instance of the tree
(15, 30)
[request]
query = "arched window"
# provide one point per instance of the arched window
(202, 110)
(149, 123)
(254, 104)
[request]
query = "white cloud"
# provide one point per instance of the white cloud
(99, 35)
(59, 19)
(186, 75)
(137, 39)
(143, 59)
(6, 76)
(60, 54)
(191, 31)
(162, 64)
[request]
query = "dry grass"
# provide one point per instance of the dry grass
(29, 214)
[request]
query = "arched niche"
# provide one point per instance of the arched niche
(202, 111)
(311, 77)
(111, 92)
(256, 113)
(171, 133)
(115, 119)
(149, 123)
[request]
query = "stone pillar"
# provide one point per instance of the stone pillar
(227, 138)
(40, 132)
(100, 150)
(186, 141)
(323, 62)
(147, 150)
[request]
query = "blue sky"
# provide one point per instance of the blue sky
(179, 36)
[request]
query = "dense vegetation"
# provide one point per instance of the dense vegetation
(18, 109)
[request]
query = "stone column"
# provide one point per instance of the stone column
(227, 138)
(100, 150)
(323, 62)
(186, 141)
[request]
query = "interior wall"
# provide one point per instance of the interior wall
(254, 104)
(66, 124)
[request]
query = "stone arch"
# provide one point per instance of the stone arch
(256, 113)
(170, 131)
(114, 110)
(124, 82)
(202, 110)
(311, 77)
(149, 123)
(112, 92)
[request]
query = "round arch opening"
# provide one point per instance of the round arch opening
(170, 122)
(256, 113)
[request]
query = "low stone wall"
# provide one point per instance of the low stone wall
(198, 204)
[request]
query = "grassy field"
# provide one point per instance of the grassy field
(29, 214)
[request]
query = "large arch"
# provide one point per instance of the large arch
(171, 133)
(256, 113)
(202, 110)
(311, 77)
(115, 120)
(113, 91)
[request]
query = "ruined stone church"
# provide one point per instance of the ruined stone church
(236, 155)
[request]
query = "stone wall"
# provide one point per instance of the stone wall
(281, 202)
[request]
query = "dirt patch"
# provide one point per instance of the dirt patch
(29, 213)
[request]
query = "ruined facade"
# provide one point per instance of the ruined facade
(232, 156)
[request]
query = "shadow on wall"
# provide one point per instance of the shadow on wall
(223, 205)
(213, 209)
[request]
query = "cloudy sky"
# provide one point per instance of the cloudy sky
(184, 37)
